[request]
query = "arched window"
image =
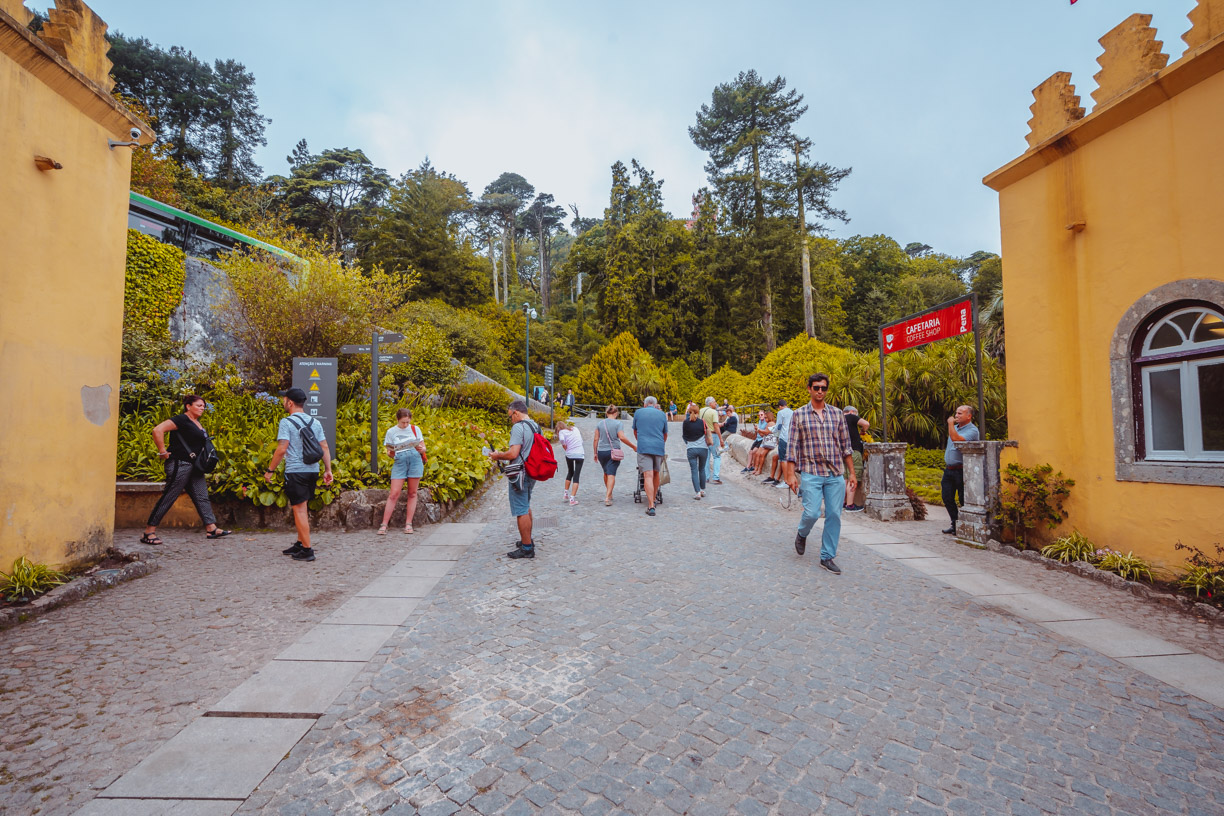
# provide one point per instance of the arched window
(1178, 379)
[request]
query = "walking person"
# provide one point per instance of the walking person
(188, 440)
(818, 453)
(608, 451)
(405, 444)
(650, 431)
(856, 425)
(575, 457)
(301, 477)
(695, 432)
(952, 485)
(709, 415)
(522, 436)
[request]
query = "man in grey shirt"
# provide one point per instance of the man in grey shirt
(952, 486)
(522, 435)
(650, 430)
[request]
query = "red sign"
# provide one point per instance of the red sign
(940, 323)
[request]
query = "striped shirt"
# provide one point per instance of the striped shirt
(818, 444)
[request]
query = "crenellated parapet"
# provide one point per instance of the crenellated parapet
(1206, 23)
(1055, 106)
(1132, 54)
(79, 36)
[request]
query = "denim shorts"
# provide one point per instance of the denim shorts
(408, 465)
(606, 462)
(781, 449)
(520, 498)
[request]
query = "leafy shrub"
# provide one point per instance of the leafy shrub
(916, 502)
(1204, 574)
(152, 284)
(686, 381)
(724, 384)
(784, 371)
(924, 457)
(925, 482)
(1032, 497)
(483, 395)
(622, 373)
(28, 579)
(1072, 547)
(1129, 566)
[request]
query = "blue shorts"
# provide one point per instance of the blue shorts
(408, 465)
(520, 498)
(781, 450)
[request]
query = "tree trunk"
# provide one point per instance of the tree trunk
(805, 262)
(767, 313)
(493, 261)
(545, 300)
(505, 269)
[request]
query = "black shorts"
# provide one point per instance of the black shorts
(606, 461)
(300, 487)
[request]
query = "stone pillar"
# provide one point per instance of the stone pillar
(886, 499)
(976, 521)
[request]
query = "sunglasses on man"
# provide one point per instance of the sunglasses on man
(818, 387)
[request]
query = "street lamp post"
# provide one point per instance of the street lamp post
(528, 313)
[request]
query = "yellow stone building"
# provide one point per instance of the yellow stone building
(1114, 289)
(63, 232)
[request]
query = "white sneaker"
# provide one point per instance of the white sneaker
(565, 497)
(701, 493)
(697, 496)
(573, 500)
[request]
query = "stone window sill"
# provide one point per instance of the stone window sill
(1210, 474)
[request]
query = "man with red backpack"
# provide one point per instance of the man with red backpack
(530, 456)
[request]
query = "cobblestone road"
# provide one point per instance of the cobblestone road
(692, 663)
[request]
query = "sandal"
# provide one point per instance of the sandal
(150, 538)
(382, 530)
(408, 529)
(217, 532)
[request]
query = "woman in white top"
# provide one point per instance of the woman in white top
(405, 444)
(574, 458)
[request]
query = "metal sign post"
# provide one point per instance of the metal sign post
(945, 320)
(376, 358)
(548, 383)
(317, 377)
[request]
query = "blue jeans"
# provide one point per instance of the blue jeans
(832, 490)
(697, 465)
(714, 462)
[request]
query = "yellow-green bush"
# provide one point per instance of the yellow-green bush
(724, 384)
(152, 284)
(622, 372)
(784, 371)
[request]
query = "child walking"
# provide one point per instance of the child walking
(571, 440)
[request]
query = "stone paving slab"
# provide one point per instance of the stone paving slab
(416, 568)
(863, 535)
(460, 534)
(1037, 608)
(212, 758)
(159, 807)
(344, 642)
(897, 550)
(431, 552)
(980, 584)
(399, 587)
(374, 611)
(1114, 639)
(1198, 675)
(290, 687)
(940, 566)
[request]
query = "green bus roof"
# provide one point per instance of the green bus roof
(154, 204)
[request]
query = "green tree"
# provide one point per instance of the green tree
(544, 219)
(236, 126)
(506, 196)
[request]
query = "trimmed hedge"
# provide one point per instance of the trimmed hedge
(152, 284)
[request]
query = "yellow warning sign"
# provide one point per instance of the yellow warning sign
(314, 375)
(314, 386)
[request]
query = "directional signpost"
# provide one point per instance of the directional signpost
(317, 377)
(375, 359)
(552, 398)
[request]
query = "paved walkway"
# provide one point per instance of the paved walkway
(689, 662)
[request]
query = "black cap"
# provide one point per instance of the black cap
(295, 395)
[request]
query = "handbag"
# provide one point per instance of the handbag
(616, 453)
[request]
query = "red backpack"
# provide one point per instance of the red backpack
(540, 464)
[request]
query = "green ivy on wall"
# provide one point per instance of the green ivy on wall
(153, 284)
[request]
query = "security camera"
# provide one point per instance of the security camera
(135, 134)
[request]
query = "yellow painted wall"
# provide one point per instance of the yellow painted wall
(62, 249)
(1151, 194)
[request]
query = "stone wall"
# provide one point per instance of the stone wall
(196, 322)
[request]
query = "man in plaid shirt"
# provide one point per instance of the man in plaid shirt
(817, 453)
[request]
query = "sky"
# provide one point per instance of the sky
(922, 98)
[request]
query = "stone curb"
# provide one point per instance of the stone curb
(1139, 590)
(146, 560)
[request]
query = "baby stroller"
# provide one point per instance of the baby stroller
(639, 494)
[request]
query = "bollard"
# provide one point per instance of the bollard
(886, 498)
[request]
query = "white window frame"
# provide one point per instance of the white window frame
(1192, 418)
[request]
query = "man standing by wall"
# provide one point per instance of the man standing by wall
(855, 425)
(709, 415)
(300, 478)
(781, 429)
(817, 454)
(569, 401)
(522, 435)
(952, 486)
(650, 430)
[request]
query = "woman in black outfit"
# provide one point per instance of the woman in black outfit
(697, 441)
(186, 443)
